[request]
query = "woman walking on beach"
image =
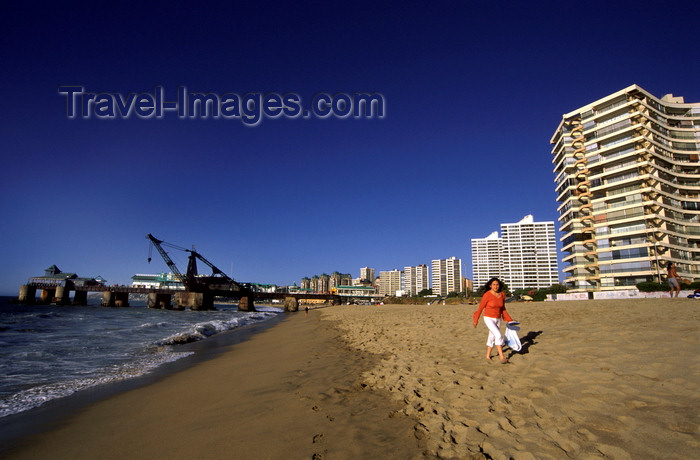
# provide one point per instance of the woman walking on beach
(493, 304)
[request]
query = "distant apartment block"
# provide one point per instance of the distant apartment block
(446, 276)
(416, 279)
(525, 256)
(317, 283)
(486, 259)
(367, 273)
(340, 279)
(467, 285)
(529, 254)
(628, 183)
(390, 282)
(323, 283)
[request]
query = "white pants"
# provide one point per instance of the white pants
(495, 336)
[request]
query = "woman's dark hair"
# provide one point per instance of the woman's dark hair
(668, 265)
(487, 287)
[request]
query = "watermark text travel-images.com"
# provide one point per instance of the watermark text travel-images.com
(249, 108)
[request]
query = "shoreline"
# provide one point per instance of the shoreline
(45, 417)
(289, 391)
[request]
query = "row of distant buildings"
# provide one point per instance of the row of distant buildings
(524, 257)
(446, 278)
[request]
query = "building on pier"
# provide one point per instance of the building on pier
(157, 281)
(354, 291)
(56, 286)
(55, 277)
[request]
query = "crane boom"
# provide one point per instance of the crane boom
(215, 270)
(192, 279)
(169, 262)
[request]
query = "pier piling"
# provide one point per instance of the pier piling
(245, 303)
(291, 304)
(161, 301)
(194, 300)
(27, 294)
(46, 296)
(61, 296)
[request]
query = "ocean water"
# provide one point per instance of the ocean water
(49, 351)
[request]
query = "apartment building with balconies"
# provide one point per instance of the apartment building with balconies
(525, 256)
(446, 276)
(389, 282)
(416, 279)
(627, 177)
(529, 254)
(486, 258)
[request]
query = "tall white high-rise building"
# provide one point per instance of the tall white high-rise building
(447, 276)
(486, 259)
(529, 254)
(525, 256)
(416, 279)
(628, 182)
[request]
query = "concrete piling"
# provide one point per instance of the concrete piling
(291, 304)
(27, 295)
(246, 303)
(47, 296)
(107, 299)
(194, 301)
(61, 296)
(160, 301)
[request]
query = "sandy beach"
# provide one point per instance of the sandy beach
(595, 379)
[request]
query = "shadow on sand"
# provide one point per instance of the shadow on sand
(527, 341)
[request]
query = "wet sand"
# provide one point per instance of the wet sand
(595, 379)
(290, 392)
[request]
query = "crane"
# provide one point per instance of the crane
(155, 242)
(192, 280)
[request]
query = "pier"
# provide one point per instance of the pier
(167, 299)
(193, 290)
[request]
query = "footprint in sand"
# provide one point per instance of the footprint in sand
(612, 452)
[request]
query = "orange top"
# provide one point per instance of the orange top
(492, 306)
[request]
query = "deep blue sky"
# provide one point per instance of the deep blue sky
(474, 90)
